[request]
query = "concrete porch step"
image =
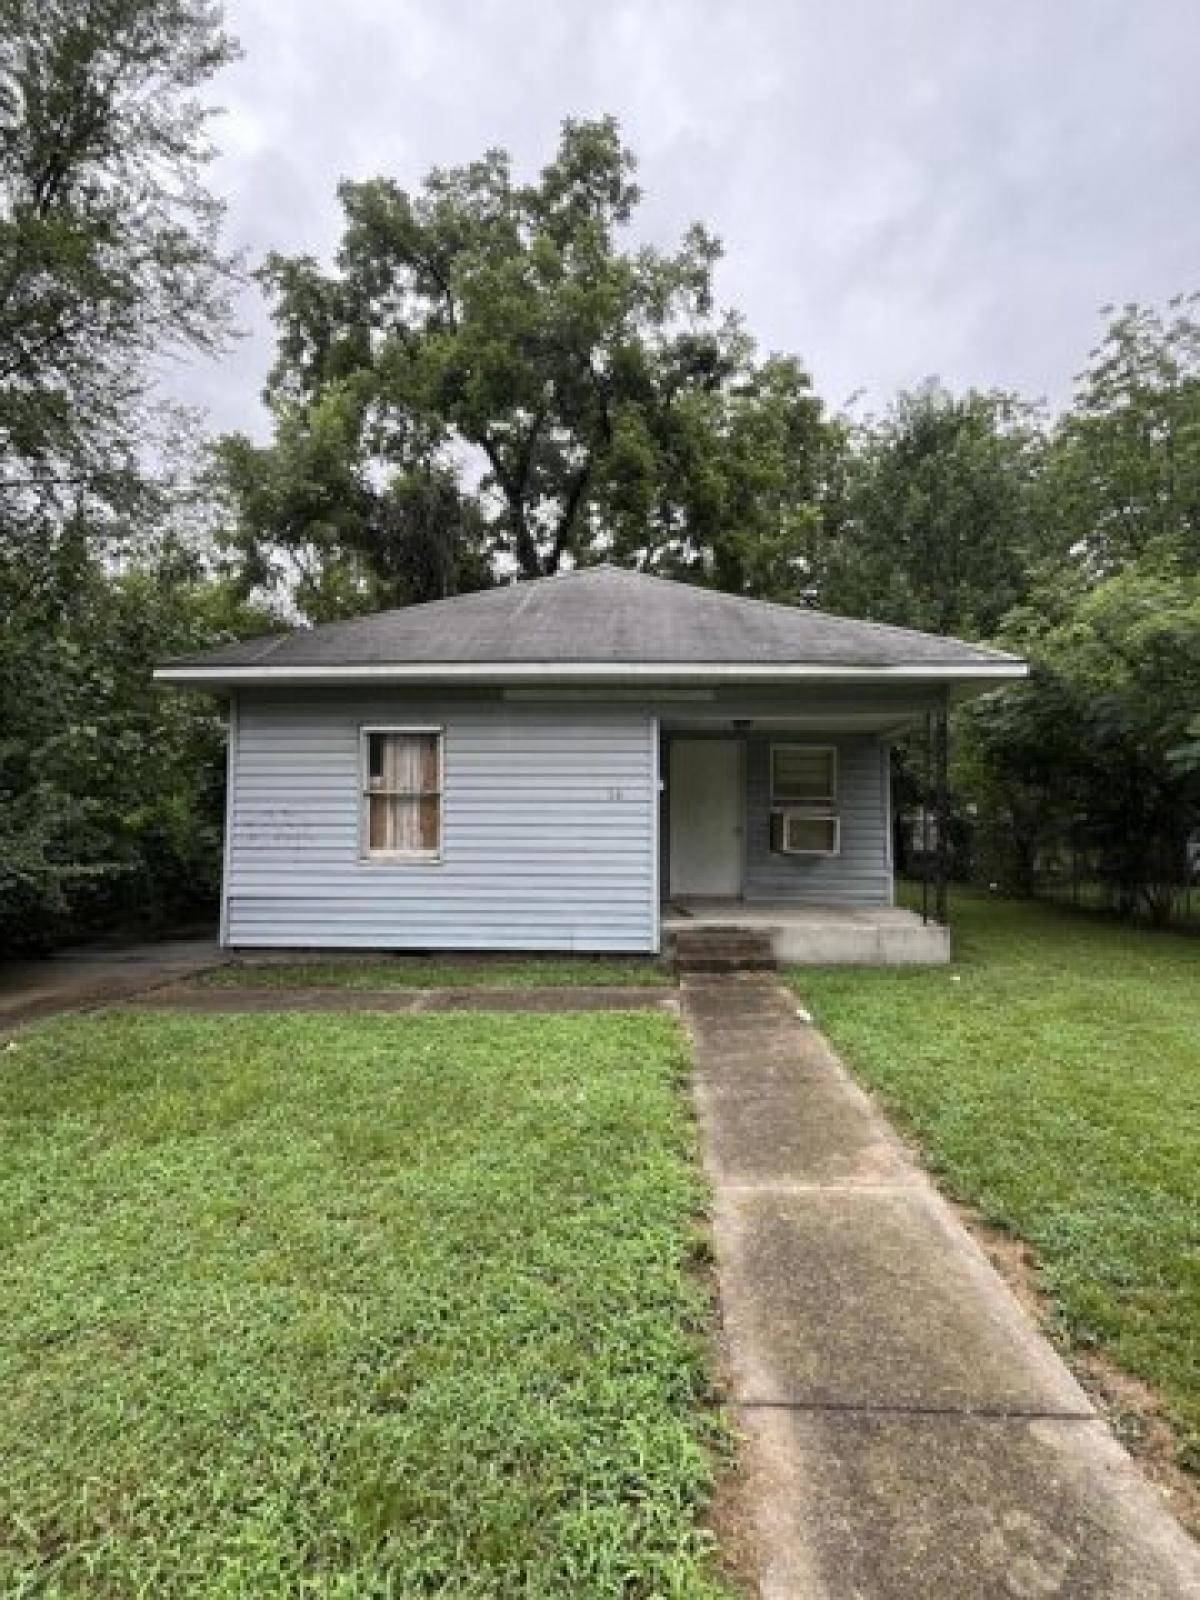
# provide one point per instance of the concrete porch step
(717, 949)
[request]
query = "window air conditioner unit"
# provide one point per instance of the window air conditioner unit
(805, 833)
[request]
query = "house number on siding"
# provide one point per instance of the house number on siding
(616, 794)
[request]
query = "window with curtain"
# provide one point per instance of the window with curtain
(402, 792)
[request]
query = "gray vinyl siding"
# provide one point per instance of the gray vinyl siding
(860, 873)
(550, 819)
(549, 836)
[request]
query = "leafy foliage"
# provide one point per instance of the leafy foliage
(933, 521)
(1126, 458)
(110, 790)
(489, 375)
(1095, 748)
(1073, 541)
(109, 250)
(109, 256)
(1098, 753)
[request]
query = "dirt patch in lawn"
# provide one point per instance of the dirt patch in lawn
(729, 1516)
(730, 1520)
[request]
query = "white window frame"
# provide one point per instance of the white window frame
(784, 802)
(807, 814)
(397, 858)
(814, 810)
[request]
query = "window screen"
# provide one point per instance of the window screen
(803, 774)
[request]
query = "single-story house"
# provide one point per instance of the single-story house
(572, 763)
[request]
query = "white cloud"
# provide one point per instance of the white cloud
(901, 189)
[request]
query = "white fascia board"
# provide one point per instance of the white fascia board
(550, 673)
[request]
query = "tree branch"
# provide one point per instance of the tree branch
(524, 545)
(570, 513)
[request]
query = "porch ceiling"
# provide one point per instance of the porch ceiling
(887, 721)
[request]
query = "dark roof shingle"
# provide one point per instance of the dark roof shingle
(604, 615)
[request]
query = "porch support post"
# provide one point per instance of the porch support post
(941, 801)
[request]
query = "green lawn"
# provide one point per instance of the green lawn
(352, 1306)
(1052, 1078)
(439, 972)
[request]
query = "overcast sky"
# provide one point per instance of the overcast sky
(903, 187)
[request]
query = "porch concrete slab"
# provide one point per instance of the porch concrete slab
(950, 1508)
(706, 911)
(927, 946)
(870, 1298)
(793, 1129)
(822, 935)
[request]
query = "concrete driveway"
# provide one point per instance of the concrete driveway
(93, 975)
(908, 1432)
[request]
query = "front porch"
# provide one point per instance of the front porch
(776, 828)
(817, 935)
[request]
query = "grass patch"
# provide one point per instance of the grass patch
(1052, 1078)
(440, 972)
(352, 1306)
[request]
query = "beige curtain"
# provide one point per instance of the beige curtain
(404, 807)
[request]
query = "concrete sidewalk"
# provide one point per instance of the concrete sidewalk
(909, 1434)
(566, 998)
(93, 975)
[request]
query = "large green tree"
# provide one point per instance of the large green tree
(109, 249)
(109, 258)
(1126, 461)
(110, 788)
(933, 515)
(1098, 754)
(1095, 760)
(492, 373)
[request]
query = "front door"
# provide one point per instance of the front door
(705, 797)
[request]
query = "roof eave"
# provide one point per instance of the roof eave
(489, 674)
